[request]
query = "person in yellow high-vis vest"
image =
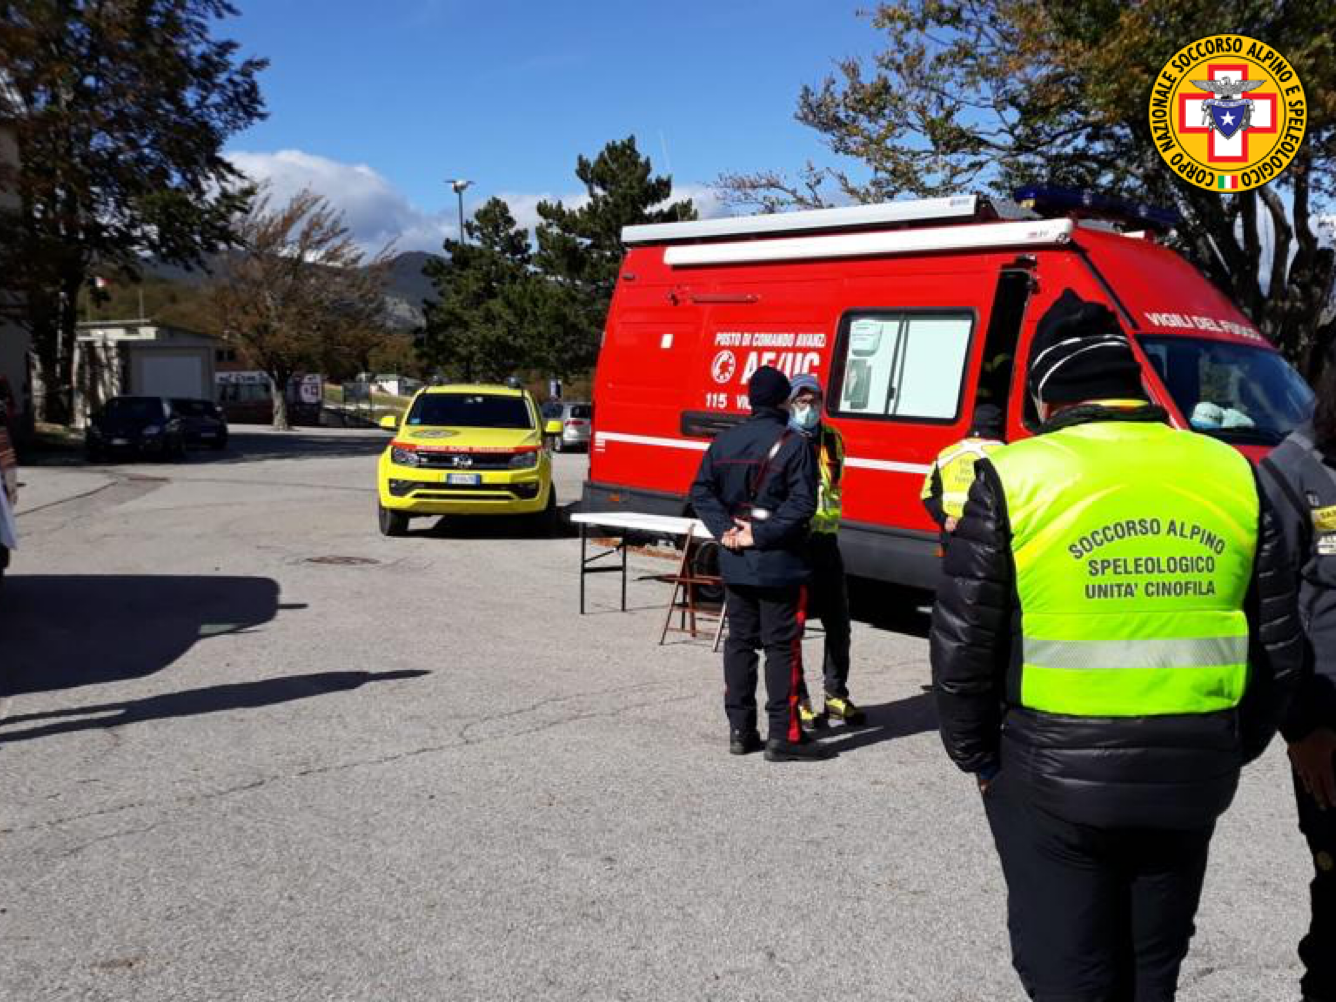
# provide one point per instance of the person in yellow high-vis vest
(947, 484)
(828, 588)
(1115, 635)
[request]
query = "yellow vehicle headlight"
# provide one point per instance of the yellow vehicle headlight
(525, 460)
(403, 457)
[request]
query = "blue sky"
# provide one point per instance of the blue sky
(373, 105)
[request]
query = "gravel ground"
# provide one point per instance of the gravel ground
(258, 751)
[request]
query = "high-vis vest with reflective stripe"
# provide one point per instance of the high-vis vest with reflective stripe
(1133, 547)
(955, 467)
(830, 460)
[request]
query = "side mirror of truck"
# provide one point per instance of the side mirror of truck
(553, 427)
(390, 422)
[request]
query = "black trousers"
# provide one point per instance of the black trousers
(1095, 914)
(771, 619)
(828, 594)
(1317, 950)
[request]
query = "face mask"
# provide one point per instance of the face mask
(804, 417)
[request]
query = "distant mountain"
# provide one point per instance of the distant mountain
(406, 286)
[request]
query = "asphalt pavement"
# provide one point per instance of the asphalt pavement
(254, 751)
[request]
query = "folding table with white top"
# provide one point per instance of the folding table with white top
(685, 581)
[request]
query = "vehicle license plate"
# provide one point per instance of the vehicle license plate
(206, 434)
(120, 441)
(468, 479)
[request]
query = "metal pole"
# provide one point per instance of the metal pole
(463, 237)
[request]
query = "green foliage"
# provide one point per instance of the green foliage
(989, 94)
(583, 247)
(474, 329)
(121, 112)
(503, 309)
(174, 303)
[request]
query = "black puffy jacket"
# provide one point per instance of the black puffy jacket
(1301, 483)
(733, 466)
(1175, 771)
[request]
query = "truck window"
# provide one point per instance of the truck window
(1236, 392)
(904, 366)
(1004, 329)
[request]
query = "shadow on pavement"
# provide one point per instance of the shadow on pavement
(212, 699)
(499, 526)
(60, 631)
(885, 722)
(250, 446)
(890, 607)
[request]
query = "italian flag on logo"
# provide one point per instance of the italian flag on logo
(1227, 182)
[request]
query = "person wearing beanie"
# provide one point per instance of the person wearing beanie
(756, 491)
(948, 482)
(1115, 634)
(1300, 479)
(828, 588)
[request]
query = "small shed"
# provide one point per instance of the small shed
(140, 358)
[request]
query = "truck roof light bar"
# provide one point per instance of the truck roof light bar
(918, 210)
(1052, 201)
(942, 238)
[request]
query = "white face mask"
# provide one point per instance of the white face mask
(804, 417)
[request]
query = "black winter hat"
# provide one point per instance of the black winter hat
(768, 387)
(1080, 353)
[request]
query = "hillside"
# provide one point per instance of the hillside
(406, 289)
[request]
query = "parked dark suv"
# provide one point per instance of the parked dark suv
(145, 425)
(202, 422)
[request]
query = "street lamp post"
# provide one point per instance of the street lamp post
(459, 184)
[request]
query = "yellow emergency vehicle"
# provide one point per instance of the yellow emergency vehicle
(465, 449)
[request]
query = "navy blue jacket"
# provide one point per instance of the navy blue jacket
(722, 491)
(1301, 482)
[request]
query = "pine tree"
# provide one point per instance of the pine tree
(474, 329)
(580, 249)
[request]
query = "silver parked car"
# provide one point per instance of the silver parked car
(577, 424)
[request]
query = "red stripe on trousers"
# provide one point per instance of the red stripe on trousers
(796, 667)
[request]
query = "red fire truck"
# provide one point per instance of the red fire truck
(909, 313)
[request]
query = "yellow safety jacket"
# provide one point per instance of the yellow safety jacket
(1133, 546)
(830, 461)
(954, 466)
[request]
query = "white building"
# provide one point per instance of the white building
(140, 358)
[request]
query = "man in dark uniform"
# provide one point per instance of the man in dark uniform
(1112, 640)
(756, 493)
(1300, 478)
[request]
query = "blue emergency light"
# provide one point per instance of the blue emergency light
(1049, 201)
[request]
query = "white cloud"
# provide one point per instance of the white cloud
(524, 204)
(709, 203)
(376, 212)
